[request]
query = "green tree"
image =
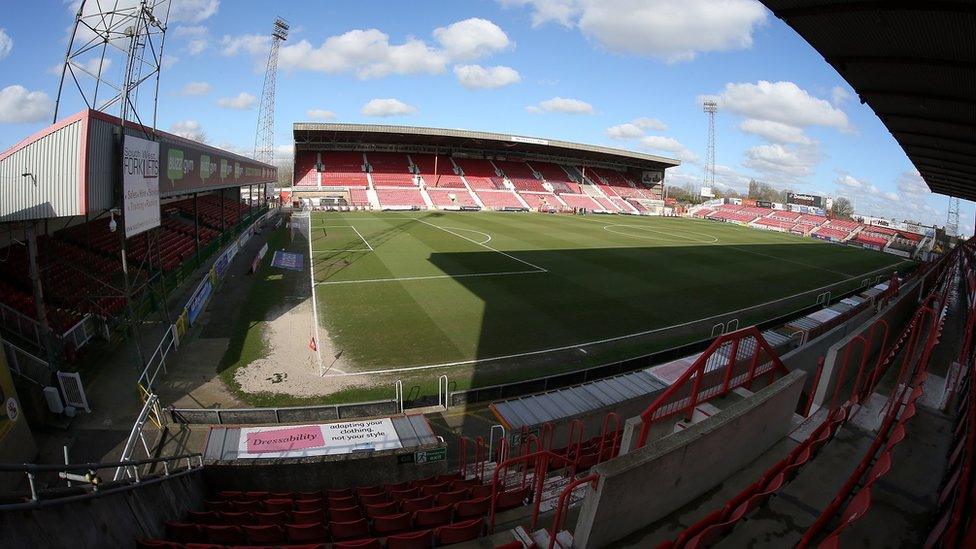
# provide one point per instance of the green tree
(842, 209)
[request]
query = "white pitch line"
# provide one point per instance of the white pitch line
(343, 250)
(472, 231)
(601, 341)
(364, 240)
(428, 277)
(510, 256)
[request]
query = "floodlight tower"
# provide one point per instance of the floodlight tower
(710, 108)
(952, 219)
(264, 138)
(128, 36)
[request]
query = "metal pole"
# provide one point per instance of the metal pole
(39, 309)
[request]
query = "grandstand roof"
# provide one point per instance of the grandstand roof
(914, 64)
(315, 135)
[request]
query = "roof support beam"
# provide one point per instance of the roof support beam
(938, 159)
(876, 5)
(884, 116)
(842, 61)
(936, 137)
(945, 172)
(917, 95)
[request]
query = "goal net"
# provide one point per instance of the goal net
(301, 224)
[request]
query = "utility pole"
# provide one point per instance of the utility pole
(710, 108)
(264, 137)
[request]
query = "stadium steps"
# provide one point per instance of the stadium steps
(427, 201)
(374, 200)
(474, 195)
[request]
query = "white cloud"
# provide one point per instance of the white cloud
(635, 128)
(189, 31)
(190, 129)
(839, 95)
(561, 105)
(849, 181)
(470, 39)
(18, 104)
(672, 30)
(6, 44)
(320, 114)
(775, 131)
(367, 53)
(911, 184)
(624, 131)
(668, 145)
(197, 46)
(195, 88)
(252, 44)
(192, 11)
(782, 102)
(478, 77)
(776, 161)
(387, 107)
(241, 102)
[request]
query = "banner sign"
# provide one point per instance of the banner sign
(318, 440)
(650, 178)
(199, 300)
(288, 260)
(223, 262)
(197, 166)
(259, 257)
(140, 185)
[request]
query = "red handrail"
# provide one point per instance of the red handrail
(560, 514)
(697, 370)
(540, 473)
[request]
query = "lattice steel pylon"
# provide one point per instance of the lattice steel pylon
(124, 35)
(952, 218)
(710, 108)
(264, 137)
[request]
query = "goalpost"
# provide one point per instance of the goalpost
(301, 224)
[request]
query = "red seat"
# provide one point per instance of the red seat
(461, 531)
(226, 535)
(398, 486)
(446, 498)
(339, 493)
(416, 504)
(370, 490)
(268, 534)
(480, 490)
(247, 506)
(407, 493)
(511, 545)
(392, 524)
(278, 504)
(308, 517)
(857, 507)
(471, 508)
(308, 495)
(511, 499)
(218, 505)
(256, 495)
(183, 532)
(281, 495)
(358, 544)
(434, 489)
(345, 530)
(421, 539)
(881, 467)
(306, 504)
(382, 509)
(204, 517)
(369, 499)
(279, 518)
(230, 494)
(237, 518)
(306, 533)
(435, 516)
(157, 544)
(345, 514)
(342, 501)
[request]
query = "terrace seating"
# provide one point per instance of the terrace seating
(620, 184)
(813, 220)
(541, 201)
(499, 200)
(400, 197)
(390, 170)
(343, 169)
(480, 174)
(442, 198)
(305, 168)
(521, 175)
(621, 204)
(605, 204)
(870, 239)
(831, 233)
(357, 197)
(580, 201)
(557, 177)
(774, 223)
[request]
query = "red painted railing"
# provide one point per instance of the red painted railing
(745, 345)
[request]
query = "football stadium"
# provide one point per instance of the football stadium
(410, 336)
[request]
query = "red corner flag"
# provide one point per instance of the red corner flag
(312, 345)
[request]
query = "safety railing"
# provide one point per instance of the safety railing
(26, 364)
(157, 361)
(87, 478)
(733, 360)
(150, 412)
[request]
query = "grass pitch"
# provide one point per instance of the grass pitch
(487, 298)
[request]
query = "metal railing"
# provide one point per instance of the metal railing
(157, 361)
(150, 412)
(91, 482)
(27, 364)
(289, 414)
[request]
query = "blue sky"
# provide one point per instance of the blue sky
(622, 73)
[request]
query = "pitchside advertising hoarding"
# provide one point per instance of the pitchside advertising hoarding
(811, 200)
(140, 185)
(196, 167)
(318, 440)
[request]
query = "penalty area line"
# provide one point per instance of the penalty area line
(508, 255)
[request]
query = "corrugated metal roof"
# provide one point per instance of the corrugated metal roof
(914, 64)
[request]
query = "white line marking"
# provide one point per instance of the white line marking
(315, 309)
(342, 250)
(607, 340)
(429, 277)
(510, 256)
(364, 240)
(483, 242)
(714, 239)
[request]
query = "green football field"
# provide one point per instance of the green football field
(487, 298)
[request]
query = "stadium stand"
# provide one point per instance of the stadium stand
(521, 175)
(390, 169)
(580, 201)
(358, 197)
(541, 201)
(621, 185)
(556, 176)
(480, 174)
(343, 169)
(399, 198)
(437, 174)
(500, 200)
(442, 198)
(305, 168)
